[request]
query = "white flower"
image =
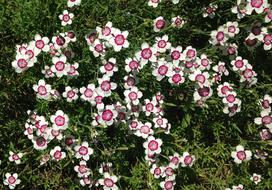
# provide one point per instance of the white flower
(11, 180)
(71, 3)
(70, 94)
(66, 18)
(187, 159)
(60, 68)
(108, 182)
(152, 145)
(256, 178)
(159, 23)
(153, 3)
(43, 90)
(119, 39)
(83, 151)
(15, 157)
(60, 120)
(57, 154)
(241, 154)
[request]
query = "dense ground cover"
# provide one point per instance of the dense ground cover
(203, 131)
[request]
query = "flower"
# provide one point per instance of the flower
(109, 67)
(239, 64)
(98, 48)
(73, 70)
(168, 183)
(231, 29)
(107, 115)
(66, 18)
(146, 54)
(15, 157)
(11, 180)
(156, 171)
(83, 151)
(255, 178)
(22, 63)
(60, 120)
(106, 86)
(60, 67)
(70, 94)
(82, 169)
(87, 93)
(241, 154)
(153, 3)
(105, 33)
(152, 145)
(161, 69)
(240, 8)
(71, 3)
(40, 44)
(40, 143)
(132, 64)
(133, 95)
(219, 37)
(144, 130)
(42, 89)
(162, 44)
(178, 22)
(57, 154)
(108, 181)
(210, 10)
(257, 5)
(159, 24)
(119, 39)
(265, 119)
(187, 159)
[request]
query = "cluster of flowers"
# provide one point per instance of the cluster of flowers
(258, 34)
(265, 118)
(155, 3)
(168, 172)
(160, 23)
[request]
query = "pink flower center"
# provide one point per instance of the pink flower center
(15, 157)
(59, 120)
(71, 94)
(83, 150)
(239, 64)
(60, 40)
(220, 36)
(133, 95)
(230, 98)
(175, 55)
(42, 90)
(248, 73)
(204, 62)
(145, 129)
(200, 78)
(168, 185)
(40, 141)
(65, 17)
(159, 121)
(204, 92)
(231, 50)
(176, 78)
(146, 53)
(106, 31)
(225, 89)
(107, 115)
(169, 171)
(153, 145)
(57, 155)
(157, 171)
(60, 66)
(162, 70)
(162, 44)
(160, 24)
(267, 120)
(149, 107)
(30, 53)
(22, 63)
(130, 81)
(88, 93)
(134, 124)
(241, 155)
(133, 65)
(256, 3)
(175, 160)
(39, 44)
(109, 66)
(105, 86)
(188, 160)
(119, 39)
(108, 182)
(266, 104)
(98, 99)
(99, 48)
(82, 169)
(11, 180)
(231, 29)
(191, 53)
